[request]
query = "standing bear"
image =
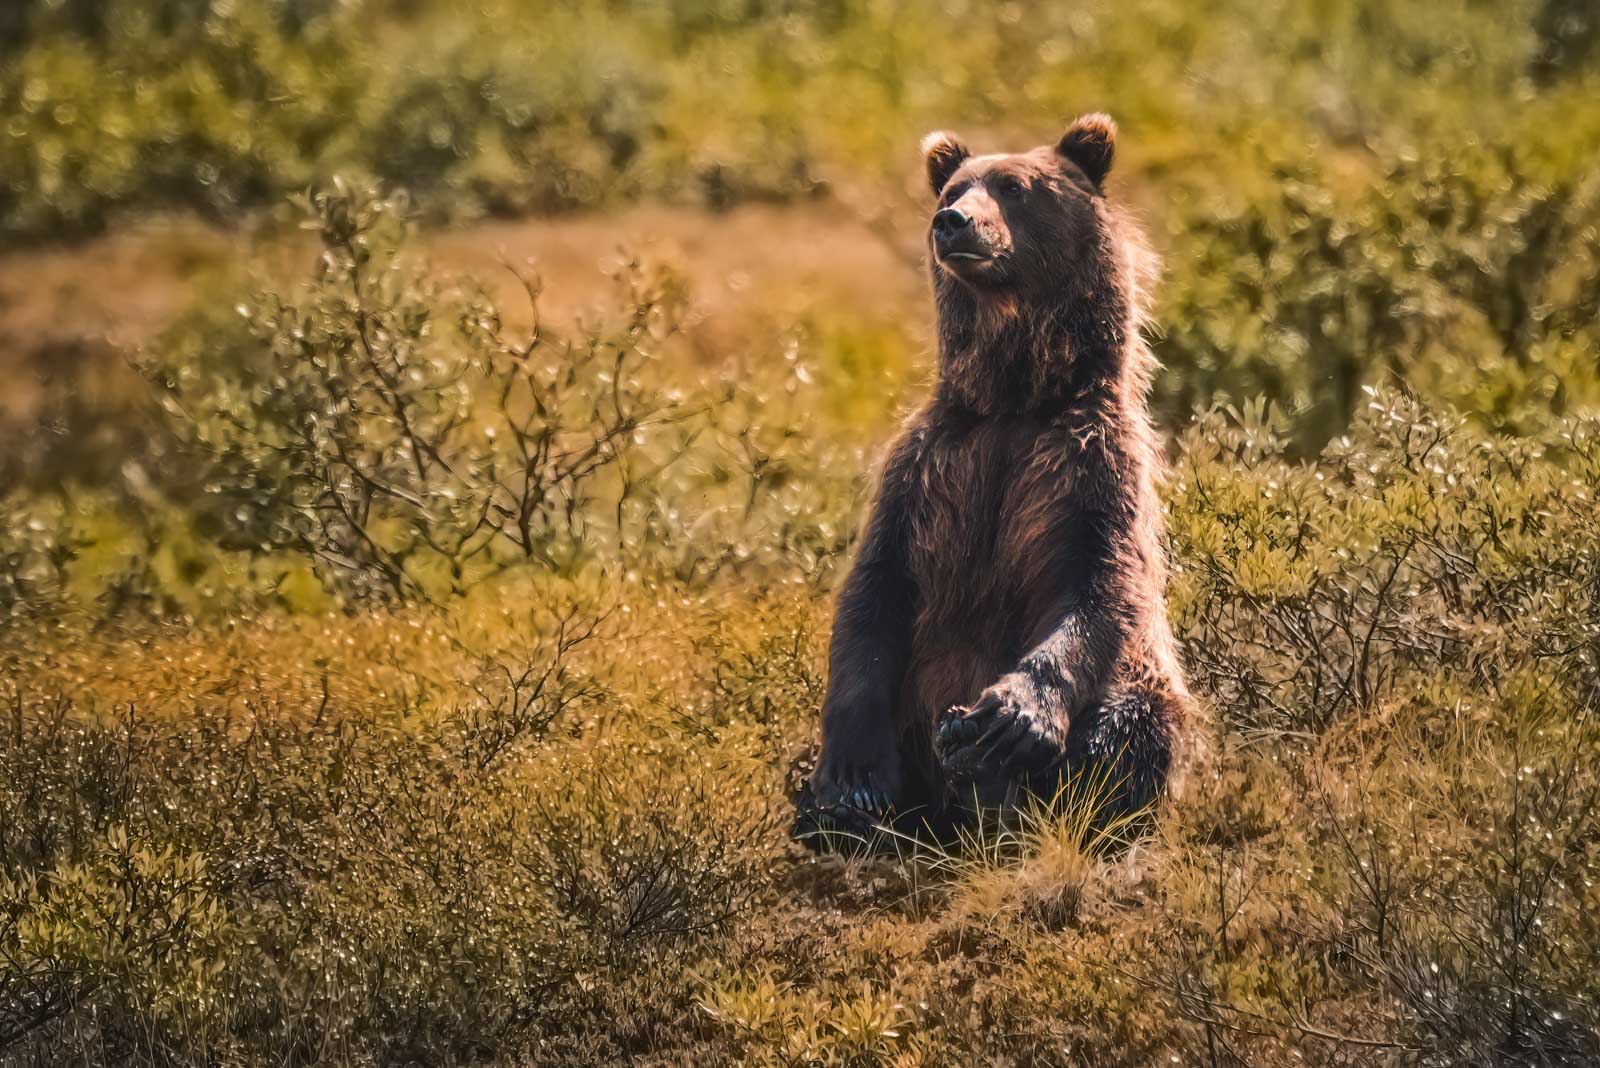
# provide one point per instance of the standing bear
(1003, 630)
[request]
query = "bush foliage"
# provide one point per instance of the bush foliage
(501, 106)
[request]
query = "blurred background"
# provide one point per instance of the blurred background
(1342, 189)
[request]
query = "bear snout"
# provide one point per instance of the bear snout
(956, 237)
(950, 221)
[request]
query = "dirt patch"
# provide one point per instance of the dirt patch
(754, 265)
(783, 260)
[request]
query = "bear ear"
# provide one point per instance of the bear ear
(943, 155)
(1091, 142)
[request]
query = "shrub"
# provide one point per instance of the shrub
(1306, 590)
(227, 107)
(347, 428)
(368, 885)
(224, 107)
(1459, 274)
(399, 435)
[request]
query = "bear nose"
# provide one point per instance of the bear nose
(949, 221)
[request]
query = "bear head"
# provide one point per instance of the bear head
(1008, 224)
(1041, 284)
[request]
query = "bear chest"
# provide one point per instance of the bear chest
(987, 529)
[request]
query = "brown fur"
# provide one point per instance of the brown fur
(1004, 626)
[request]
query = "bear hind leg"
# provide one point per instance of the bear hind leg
(1118, 756)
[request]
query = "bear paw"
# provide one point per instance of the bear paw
(845, 809)
(1012, 735)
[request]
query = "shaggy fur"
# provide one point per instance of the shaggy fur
(1003, 626)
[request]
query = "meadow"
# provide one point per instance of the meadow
(433, 432)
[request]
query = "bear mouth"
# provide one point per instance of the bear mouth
(966, 249)
(972, 266)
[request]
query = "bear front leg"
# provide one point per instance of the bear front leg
(860, 777)
(1014, 737)
(860, 772)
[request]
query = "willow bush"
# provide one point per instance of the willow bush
(383, 433)
(506, 107)
(1462, 275)
(1410, 545)
(377, 428)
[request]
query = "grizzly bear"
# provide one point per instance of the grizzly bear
(1002, 630)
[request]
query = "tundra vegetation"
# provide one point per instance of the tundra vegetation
(392, 672)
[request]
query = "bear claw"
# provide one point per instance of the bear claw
(957, 730)
(848, 826)
(995, 746)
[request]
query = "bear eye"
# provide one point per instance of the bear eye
(1011, 188)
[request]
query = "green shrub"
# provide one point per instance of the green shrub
(226, 107)
(400, 437)
(1307, 591)
(158, 103)
(505, 108)
(344, 427)
(1460, 275)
